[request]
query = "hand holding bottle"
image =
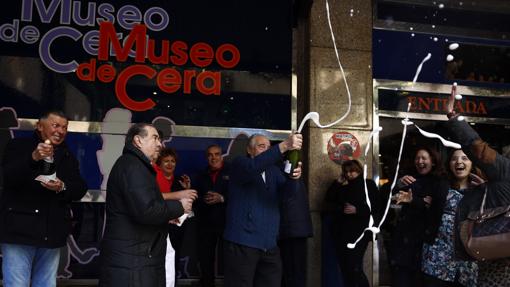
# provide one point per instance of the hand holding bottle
(296, 172)
(293, 142)
(42, 151)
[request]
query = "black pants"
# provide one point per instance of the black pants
(429, 281)
(404, 277)
(251, 267)
(351, 264)
(177, 234)
(293, 253)
(208, 240)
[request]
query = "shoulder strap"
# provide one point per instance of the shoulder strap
(482, 206)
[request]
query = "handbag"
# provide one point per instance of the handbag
(485, 233)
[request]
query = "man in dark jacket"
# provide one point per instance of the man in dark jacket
(252, 257)
(134, 244)
(212, 190)
(35, 217)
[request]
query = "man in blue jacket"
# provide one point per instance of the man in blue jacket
(251, 255)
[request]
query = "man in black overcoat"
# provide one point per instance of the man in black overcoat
(134, 243)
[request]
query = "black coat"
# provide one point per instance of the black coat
(348, 227)
(212, 217)
(31, 214)
(295, 220)
(495, 166)
(418, 223)
(134, 244)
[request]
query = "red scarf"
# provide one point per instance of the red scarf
(165, 184)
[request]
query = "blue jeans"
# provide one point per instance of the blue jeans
(23, 263)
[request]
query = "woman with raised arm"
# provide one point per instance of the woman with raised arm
(497, 189)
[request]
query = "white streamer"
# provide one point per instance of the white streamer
(446, 143)
(314, 116)
(418, 70)
(405, 123)
(371, 227)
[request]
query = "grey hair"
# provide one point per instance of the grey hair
(251, 139)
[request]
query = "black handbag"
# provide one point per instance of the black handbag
(485, 233)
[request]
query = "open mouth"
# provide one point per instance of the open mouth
(460, 168)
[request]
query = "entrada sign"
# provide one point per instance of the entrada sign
(436, 103)
(428, 104)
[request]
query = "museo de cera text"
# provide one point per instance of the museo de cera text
(169, 80)
(186, 63)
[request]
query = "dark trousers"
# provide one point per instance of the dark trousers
(293, 253)
(404, 277)
(429, 281)
(177, 234)
(351, 264)
(208, 240)
(251, 267)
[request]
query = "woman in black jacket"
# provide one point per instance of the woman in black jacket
(351, 216)
(497, 170)
(422, 196)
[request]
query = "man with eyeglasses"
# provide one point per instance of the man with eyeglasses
(251, 254)
(41, 179)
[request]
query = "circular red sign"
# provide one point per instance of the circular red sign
(343, 146)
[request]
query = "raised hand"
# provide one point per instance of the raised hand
(43, 150)
(185, 181)
(294, 141)
(451, 102)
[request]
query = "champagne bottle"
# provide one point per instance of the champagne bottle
(292, 157)
(48, 165)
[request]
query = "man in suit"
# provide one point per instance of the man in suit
(212, 186)
(251, 255)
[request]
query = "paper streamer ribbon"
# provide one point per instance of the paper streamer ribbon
(418, 70)
(405, 122)
(314, 116)
(371, 226)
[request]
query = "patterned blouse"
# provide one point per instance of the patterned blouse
(439, 259)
